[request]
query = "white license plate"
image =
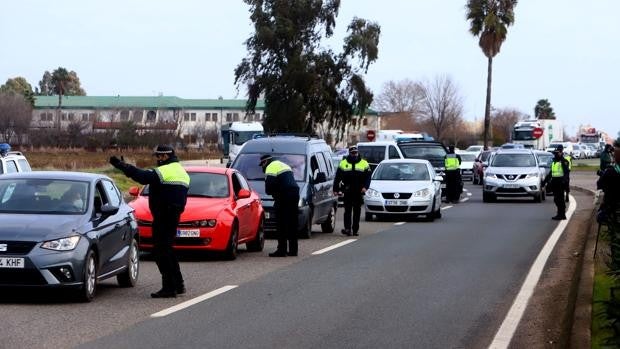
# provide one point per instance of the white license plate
(395, 202)
(188, 233)
(511, 186)
(267, 215)
(6, 262)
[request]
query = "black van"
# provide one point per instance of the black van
(310, 160)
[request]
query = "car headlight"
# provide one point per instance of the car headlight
(422, 193)
(490, 175)
(371, 193)
(204, 223)
(64, 244)
(531, 175)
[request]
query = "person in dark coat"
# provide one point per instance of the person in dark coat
(352, 180)
(168, 186)
(558, 177)
(609, 183)
(452, 163)
(281, 185)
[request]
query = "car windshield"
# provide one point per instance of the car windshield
(43, 196)
(513, 160)
(468, 157)
(372, 153)
(204, 184)
(401, 172)
(423, 152)
(545, 159)
(248, 165)
(484, 156)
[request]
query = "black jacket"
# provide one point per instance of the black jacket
(352, 181)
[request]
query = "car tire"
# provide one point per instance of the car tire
(538, 197)
(231, 250)
(87, 292)
(368, 217)
(258, 243)
(129, 277)
(329, 225)
(486, 197)
(306, 233)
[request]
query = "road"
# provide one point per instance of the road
(445, 284)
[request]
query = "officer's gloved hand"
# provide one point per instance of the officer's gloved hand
(116, 162)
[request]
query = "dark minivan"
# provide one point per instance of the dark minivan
(311, 162)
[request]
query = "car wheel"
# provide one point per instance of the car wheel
(231, 250)
(368, 217)
(486, 197)
(258, 243)
(306, 233)
(89, 277)
(330, 223)
(129, 277)
(538, 197)
(438, 212)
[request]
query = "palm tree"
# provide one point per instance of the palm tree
(489, 20)
(543, 110)
(60, 80)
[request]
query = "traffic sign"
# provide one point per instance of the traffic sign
(537, 132)
(370, 135)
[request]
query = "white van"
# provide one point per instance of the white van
(568, 147)
(375, 152)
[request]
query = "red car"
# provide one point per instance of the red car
(479, 165)
(222, 212)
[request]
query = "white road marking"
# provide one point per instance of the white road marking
(446, 207)
(509, 325)
(465, 199)
(332, 247)
(193, 301)
(400, 223)
(468, 194)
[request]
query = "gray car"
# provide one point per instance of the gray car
(65, 229)
(513, 173)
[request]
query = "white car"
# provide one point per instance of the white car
(467, 164)
(404, 187)
(513, 173)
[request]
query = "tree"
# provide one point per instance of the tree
(15, 115)
(302, 83)
(442, 105)
(19, 85)
(489, 20)
(62, 83)
(400, 101)
(504, 121)
(543, 110)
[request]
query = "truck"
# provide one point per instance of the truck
(590, 135)
(537, 133)
(235, 134)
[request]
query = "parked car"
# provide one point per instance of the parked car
(568, 147)
(222, 211)
(402, 187)
(480, 164)
(313, 168)
(467, 164)
(65, 229)
(433, 151)
(513, 173)
(475, 148)
(12, 161)
(545, 159)
(375, 152)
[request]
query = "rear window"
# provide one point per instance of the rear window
(248, 165)
(423, 151)
(372, 153)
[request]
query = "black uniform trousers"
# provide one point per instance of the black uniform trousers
(558, 186)
(453, 185)
(164, 232)
(287, 222)
(352, 205)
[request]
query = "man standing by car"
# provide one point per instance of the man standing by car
(281, 185)
(168, 185)
(352, 180)
(557, 177)
(452, 163)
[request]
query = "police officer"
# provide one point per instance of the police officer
(569, 160)
(606, 159)
(452, 163)
(281, 185)
(352, 180)
(558, 176)
(168, 185)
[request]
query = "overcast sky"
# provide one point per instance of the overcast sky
(566, 51)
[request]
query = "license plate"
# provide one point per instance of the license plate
(511, 186)
(188, 233)
(6, 262)
(267, 215)
(395, 202)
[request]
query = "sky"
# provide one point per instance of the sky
(566, 51)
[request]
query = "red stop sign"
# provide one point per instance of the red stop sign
(370, 135)
(537, 132)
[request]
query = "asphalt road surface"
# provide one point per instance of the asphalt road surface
(445, 284)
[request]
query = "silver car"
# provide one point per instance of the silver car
(65, 229)
(513, 173)
(400, 187)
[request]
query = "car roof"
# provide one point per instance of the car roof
(69, 175)
(376, 143)
(401, 161)
(514, 151)
(207, 169)
(280, 144)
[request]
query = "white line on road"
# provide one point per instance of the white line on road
(400, 223)
(468, 194)
(509, 326)
(465, 199)
(332, 247)
(193, 301)
(446, 207)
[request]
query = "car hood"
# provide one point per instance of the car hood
(195, 208)
(512, 170)
(37, 227)
(399, 186)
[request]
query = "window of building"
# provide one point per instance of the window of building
(365, 121)
(124, 115)
(229, 117)
(192, 117)
(84, 116)
(136, 115)
(214, 117)
(64, 117)
(353, 122)
(151, 115)
(235, 116)
(207, 116)
(186, 117)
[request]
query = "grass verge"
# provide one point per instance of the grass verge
(602, 286)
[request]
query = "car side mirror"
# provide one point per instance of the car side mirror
(109, 209)
(243, 194)
(438, 178)
(320, 177)
(134, 191)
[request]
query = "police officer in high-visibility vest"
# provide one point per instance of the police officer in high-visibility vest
(352, 180)
(452, 163)
(557, 177)
(281, 185)
(569, 160)
(168, 186)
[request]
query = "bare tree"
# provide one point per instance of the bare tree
(15, 115)
(442, 105)
(503, 121)
(402, 96)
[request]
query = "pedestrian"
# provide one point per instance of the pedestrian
(609, 183)
(452, 163)
(168, 185)
(557, 177)
(352, 180)
(281, 185)
(569, 160)
(606, 159)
